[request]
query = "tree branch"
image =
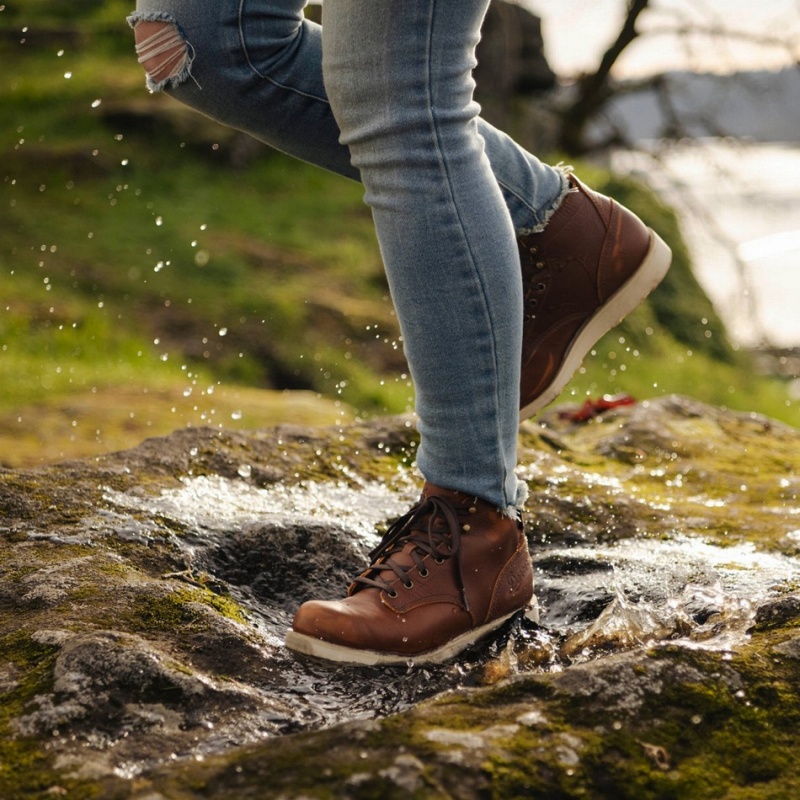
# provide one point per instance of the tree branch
(594, 89)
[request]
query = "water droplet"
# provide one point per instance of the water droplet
(245, 470)
(223, 331)
(96, 103)
(236, 415)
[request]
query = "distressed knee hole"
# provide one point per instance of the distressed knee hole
(162, 51)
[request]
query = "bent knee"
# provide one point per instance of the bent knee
(162, 50)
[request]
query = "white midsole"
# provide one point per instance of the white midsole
(308, 645)
(651, 272)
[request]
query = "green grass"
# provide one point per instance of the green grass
(669, 367)
(137, 260)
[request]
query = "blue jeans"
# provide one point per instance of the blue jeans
(383, 94)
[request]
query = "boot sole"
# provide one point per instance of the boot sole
(649, 274)
(308, 645)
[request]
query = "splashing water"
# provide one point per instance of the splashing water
(214, 503)
(595, 598)
(682, 589)
(269, 547)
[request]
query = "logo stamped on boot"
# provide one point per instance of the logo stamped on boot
(516, 575)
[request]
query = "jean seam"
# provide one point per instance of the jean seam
(476, 273)
(263, 76)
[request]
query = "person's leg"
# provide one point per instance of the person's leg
(253, 65)
(257, 66)
(398, 76)
(457, 565)
(399, 80)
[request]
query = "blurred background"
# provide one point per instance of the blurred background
(157, 270)
(708, 108)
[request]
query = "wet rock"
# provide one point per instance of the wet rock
(112, 683)
(281, 562)
(778, 612)
(144, 596)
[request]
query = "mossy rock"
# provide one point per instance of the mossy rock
(144, 596)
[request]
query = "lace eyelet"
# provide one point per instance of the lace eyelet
(409, 585)
(438, 560)
(392, 594)
(540, 264)
(533, 250)
(541, 287)
(424, 573)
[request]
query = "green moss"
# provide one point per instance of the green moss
(26, 766)
(735, 729)
(175, 611)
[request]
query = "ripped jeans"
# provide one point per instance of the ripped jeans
(382, 93)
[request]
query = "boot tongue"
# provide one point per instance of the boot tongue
(403, 556)
(431, 528)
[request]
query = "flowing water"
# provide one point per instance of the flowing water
(594, 599)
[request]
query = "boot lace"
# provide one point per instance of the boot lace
(417, 527)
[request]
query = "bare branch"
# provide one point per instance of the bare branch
(593, 90)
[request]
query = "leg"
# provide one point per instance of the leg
(399, 80)
(257, 67)
(448, 192)
(253, 65)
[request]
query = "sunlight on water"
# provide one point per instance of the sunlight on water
(621, 595)
(683, 589)
(742, 228)
(215, 503)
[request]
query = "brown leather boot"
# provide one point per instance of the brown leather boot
(594, 262)
(446, 573)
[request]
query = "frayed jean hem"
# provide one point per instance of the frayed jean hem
(564, 171)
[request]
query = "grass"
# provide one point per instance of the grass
(141, 258)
